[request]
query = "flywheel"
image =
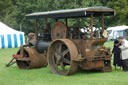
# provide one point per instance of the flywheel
(58, 31)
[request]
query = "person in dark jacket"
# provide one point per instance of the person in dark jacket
(117, 52)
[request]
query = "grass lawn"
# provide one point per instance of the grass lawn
(15, 76)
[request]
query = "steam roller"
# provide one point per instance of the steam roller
(31, 55)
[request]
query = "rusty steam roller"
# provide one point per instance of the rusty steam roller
(34, 54)
(31, 56)
(74, 47)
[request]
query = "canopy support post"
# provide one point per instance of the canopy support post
(36, 27)
(91, 25)
(56, 20)
(66, 20)
(102, 22)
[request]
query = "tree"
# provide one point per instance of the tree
(23, 7)
(121, 8)
(7, 13)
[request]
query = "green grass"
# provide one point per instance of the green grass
(43, 76)
(109, 44)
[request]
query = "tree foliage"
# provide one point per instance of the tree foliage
(7, 12)
(121, 7)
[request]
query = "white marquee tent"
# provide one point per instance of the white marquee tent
(10, 38)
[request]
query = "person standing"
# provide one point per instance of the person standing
(124, 53)
(117, 51)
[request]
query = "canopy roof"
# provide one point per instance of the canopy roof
(72, 13)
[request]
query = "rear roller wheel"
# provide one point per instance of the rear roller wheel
(60, 57)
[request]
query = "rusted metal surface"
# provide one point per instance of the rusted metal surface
(30, 42)
(92, 50)
(58, 31)
(86, 53)
(28, 56)
(31, 39)
(30, 59)
(61, 55)
(89, 65)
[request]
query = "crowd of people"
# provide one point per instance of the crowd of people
(120, 51)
